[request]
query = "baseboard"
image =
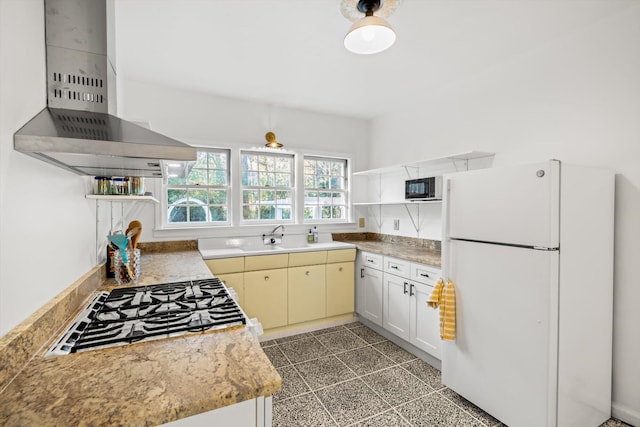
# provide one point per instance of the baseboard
(625, 414)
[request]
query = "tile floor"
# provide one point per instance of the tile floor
(351, 376)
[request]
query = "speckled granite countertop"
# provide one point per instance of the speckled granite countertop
(138, 384)
(417, 250)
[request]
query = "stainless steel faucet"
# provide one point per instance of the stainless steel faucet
(272, 238)
(274, 230)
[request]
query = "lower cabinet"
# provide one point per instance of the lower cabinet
(369, 287)
(340, 290)
(393, 293)
(256, 412)
(424, 322)
(307, 293)
(396, 305)
(265, 296)
(235, 281)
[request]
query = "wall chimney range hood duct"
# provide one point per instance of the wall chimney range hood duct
(75, 130)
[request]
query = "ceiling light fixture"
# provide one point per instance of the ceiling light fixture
(371, 34)
(272, 142)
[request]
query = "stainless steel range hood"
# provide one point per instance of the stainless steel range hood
(75, 131)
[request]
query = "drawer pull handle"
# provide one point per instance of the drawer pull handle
(369, 260)
(395, 267)
(405, 288)
(266, 278)
(424, 274)
(411, 293)
(362, 273)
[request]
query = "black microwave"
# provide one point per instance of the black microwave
(423, 188)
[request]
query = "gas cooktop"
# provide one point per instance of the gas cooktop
(141, 313)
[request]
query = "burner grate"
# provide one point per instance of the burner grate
(128, 315)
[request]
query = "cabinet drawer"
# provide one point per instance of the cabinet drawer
(397, 266)
(225, 265)
(341, 255)
(372, 260)
(265, 262)
(425, 274)
(307, 258)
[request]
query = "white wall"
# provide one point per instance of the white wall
(207, 120)
(576, 99)
(47, 227)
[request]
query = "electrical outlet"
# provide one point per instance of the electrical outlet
(361, 222)
(396, 224)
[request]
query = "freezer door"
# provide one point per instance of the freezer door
(515, 205)
(504, 356)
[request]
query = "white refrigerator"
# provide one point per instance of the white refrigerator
(530, 251)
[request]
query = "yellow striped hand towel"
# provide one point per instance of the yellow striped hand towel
(444, 297)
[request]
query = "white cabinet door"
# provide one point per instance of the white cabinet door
(425, 321)
(371, 285)
(397, 305)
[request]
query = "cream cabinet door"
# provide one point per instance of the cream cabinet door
(235, 281)
(340, 288)
(265, 296)
(307, 295)
(225, 265)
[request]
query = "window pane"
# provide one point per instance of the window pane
(266, 179)
(309, 167)
(217, 177)
(267, 164)
(250, 196)
(309, 212)
(337, 212)
(309, 181)
(337, 169)
(198, 197)
(178, 214)
(338, 199)
(175, 196)
(283, 196)
(218, 197)
(197, 177)
(250, 212)
(323, 182)
(284, 212)
(250, 179)
(283, 165)
(217, 160)
(201, 160)
(283, 180)
(267, 212)
(267, 196)
(218, 213)
(249, 162)
(197, 214)
(177, 181)
(326, 212)
(337, 183)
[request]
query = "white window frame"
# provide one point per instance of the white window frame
(165, 206)
(346, 190)
(292, 188)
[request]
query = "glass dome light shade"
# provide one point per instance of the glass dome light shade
(371, 34)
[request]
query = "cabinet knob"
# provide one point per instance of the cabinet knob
(340, 269)
(266, 278)
(307, 273)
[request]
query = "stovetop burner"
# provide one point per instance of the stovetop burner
(140, 313)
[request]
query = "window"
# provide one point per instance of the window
(200, 194)
(325, 189)
(267, 186)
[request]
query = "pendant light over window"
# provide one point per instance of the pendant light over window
(370, 34)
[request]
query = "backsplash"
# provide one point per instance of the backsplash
(388, 238)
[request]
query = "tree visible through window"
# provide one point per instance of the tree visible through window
(202, 194)
(267, 186)
(325, 188)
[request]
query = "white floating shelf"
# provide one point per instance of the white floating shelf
(117, 198)
(469, 155)
(417, 202)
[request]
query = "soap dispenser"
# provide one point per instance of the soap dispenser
(315, 234)
(310, 237)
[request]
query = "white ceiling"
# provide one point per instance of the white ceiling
(290, 52)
